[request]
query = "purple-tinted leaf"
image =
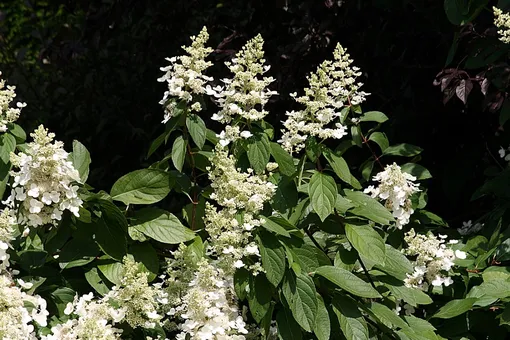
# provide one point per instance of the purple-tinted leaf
(463, 90)
(484, 86)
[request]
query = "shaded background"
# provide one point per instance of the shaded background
(88, 71)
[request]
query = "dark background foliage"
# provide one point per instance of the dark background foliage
(88, 71)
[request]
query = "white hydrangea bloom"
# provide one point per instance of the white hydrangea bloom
(43, 184)
(19, 312)
(396, 188)
(7, 224)
(184, 75)
(235, 191)
(8, 114)
(502, 21)
(209, 307)
(246, 94)
(434, 259)
(134, 301)
(332, 87)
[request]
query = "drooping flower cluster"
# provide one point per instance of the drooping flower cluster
(236, 192)
(469, 228)
(43, 184)
(246, 94)
(134, 301)
(184, 75)
(502, 21)
(434, 259)
(19, 311)
(396, 188)
(209, 307)
(332, 87)
(8, 114)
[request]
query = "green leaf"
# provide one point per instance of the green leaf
(161, 226)
(454, 308)
(144, 186)
(367, 242)
(380, 139)
(386, 316)
(312, 149)
(288, 328)
(80, 157)
(276, 228)
(113, 271)
(18, 133)
(179, 153)
(369, 207)
(273, 257)
(351, 320)
(78, 249)
(374, 116)
(157, 143)
(259, 297)
(7, 145)
(284, 159)
(405, 150)
(299, 291)
(94, 279)
(416, 170)
(322, 327)
(322, 191)
(111, 231)
(396, 264)
(356, 135)
(347, 281)
(341, 168)
(145, 255)
(259, 152)
(197, 129)
(412, 296)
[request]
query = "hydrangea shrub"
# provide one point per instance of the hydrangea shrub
(287, 233)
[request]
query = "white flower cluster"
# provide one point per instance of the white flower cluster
(210, 307)
(502, 21)
(134, 302)
(503, 153)
(7, 224)
(246, 94)
(396, 188)
(19, 311)
(185, 75)
(332, 87)
(8, 114)
(235, 191)
(43, 186)
(434, 259)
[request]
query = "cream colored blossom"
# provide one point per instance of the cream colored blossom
(502, 21)
(43, 182)
(246, 94)
(332, 87)
(185, 75)
(7, 224)
(395, 188)
(8, 114)
(434, 259)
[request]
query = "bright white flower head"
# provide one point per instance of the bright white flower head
(17, 319)
(43, 184)
(396, 188)
(184, 75)
(502, 21)
(332, 87)
(434, 259)
(209, 307)
(8, 114)
(246, 94)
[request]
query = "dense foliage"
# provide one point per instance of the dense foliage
(267, 204)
